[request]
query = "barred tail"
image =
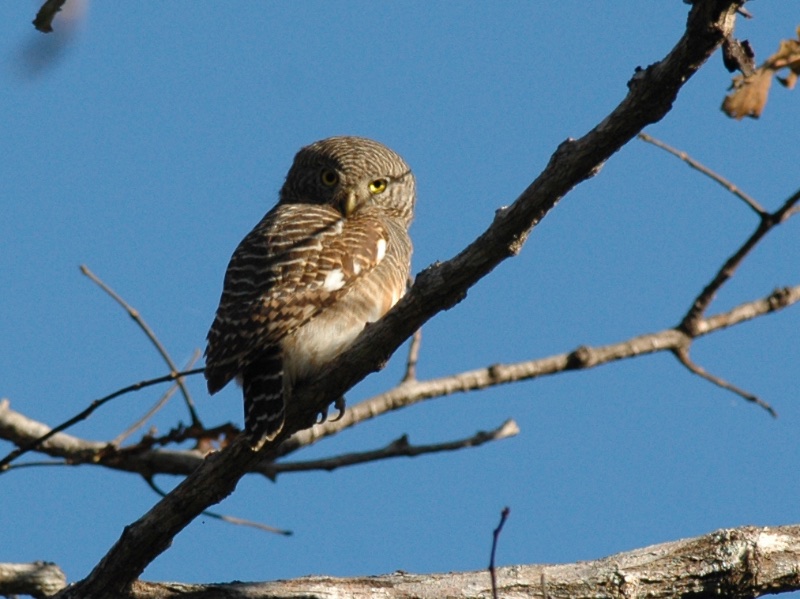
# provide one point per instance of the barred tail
(262, 383)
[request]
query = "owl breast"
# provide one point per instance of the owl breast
(325, 336)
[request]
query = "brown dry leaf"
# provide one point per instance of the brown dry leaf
(750, 93)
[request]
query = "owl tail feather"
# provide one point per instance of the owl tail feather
(262, 383)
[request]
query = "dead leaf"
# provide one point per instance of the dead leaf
(750, 92)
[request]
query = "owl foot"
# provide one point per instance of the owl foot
(339, 404)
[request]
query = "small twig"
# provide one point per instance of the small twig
(134, 314)
(39, 464)
(413, 357)
(229, 519)
(158, 405)
(702, 301)
(683, 357)
(13, 455)
(495, 536)
(750, 201)
(398, 448)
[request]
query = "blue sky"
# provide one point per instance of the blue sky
(148, 140)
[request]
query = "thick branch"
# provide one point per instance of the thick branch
(39, 579)
(742, 562)
(651, 94)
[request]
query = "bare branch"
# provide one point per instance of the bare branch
(42, 440)
(398, 448)
(744, 562)
(702, 301)
(39, 579)
(25, 432)
(495, 536)
(158, 405)
(162, 351)
(413, 357)
(408, 394)
(750, 201)
(683, 357)
(224, 518)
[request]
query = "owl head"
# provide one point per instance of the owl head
(350, 173)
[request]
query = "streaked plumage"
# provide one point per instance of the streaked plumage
(330, 257)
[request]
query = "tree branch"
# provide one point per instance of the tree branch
(398, 448)
(747, 199)
(584, 357)
(39, 579)
(765, 225)
(150, 334)
(23, 431)
(650, 97)
(740, 562)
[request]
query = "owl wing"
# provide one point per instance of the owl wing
(296, 262)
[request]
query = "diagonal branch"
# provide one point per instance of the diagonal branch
(118, 440)
(162, 351)
(682, 354)
(749, 200)
(413, 357)
(224, 517)
(767, 223)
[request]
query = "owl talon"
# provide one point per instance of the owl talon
(339, 404)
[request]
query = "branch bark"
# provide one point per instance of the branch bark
(39, 579)
(651, 93)
(741, 562)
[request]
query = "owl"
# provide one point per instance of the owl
(330, 257)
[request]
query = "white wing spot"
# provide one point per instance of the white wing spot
(381, 250)
(356, 268)
(334, 280)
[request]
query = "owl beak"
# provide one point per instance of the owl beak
(348, 204)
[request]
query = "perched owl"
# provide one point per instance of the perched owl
(331, 256)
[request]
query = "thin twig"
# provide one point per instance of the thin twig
(158, 405)
(38, 464)
(13, 455)
(683, 357)
(495, 536)
(229, 519)
(134, 314)
(398, 448)
(413, 357)
(750, 201)
(702, 301)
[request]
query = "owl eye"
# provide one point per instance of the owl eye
(377, 186)
(329, 177)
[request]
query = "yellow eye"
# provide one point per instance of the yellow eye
(377, 186)
(329, 177)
